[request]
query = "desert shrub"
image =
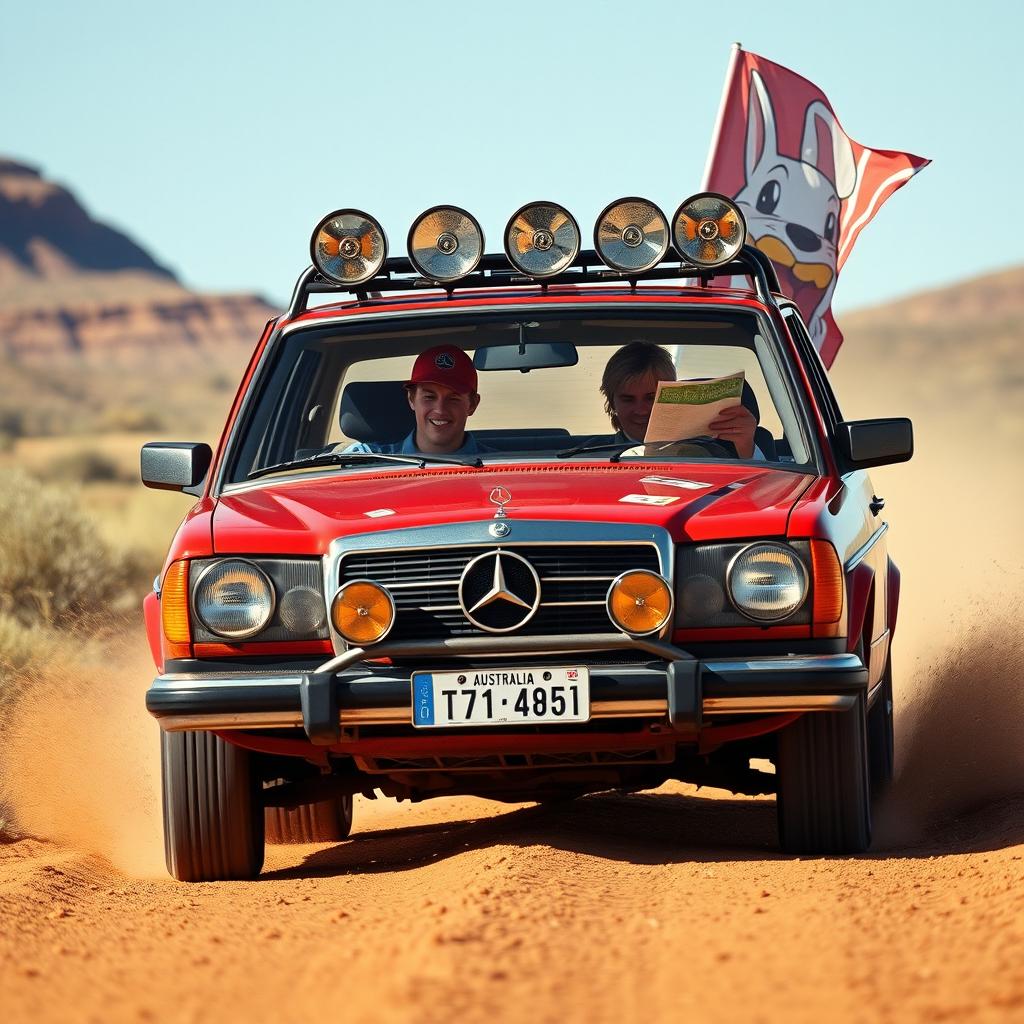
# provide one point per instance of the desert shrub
(12, 421)
(19, 647)
(86, 466)
(54, 566)
(130, 418)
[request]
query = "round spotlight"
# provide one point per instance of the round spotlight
(631, 235)
(363, 612)
(542, 239)
(708, 230)
(348, 246)
(445, 243)
(639, 602)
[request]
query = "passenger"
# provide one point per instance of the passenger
(630, 383)
(442, 394)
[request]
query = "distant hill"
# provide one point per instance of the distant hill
(71, 285)
(957, 351)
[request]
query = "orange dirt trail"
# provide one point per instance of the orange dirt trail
(670, 905)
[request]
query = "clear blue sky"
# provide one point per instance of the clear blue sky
(217, 134)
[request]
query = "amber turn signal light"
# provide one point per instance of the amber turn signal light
(363, 612)
(174, 604)
(829, 588)
(639, 602)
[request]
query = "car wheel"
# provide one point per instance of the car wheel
(326, 821)
(881, 750)
(824, 802)
(213, 814)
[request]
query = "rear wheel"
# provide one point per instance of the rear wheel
(213, 813)
(326, 821)
(824, 803)
(881, 749)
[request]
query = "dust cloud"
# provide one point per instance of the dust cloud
(79, 758)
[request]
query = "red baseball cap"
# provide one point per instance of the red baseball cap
(446, 365)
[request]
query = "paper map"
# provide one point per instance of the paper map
(685, 408)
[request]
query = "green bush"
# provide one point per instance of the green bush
(54, 566)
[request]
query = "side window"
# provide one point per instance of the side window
(815, 367)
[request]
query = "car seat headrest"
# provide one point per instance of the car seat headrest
(376, 411)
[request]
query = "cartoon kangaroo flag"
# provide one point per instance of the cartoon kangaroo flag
(806, 189)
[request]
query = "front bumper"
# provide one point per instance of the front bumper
(674, 687)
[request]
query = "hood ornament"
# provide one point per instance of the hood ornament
(500, 496)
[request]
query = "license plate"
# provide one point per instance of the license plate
(500, 696)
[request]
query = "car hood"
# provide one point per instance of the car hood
(302, 515)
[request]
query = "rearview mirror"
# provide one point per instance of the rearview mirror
(175, 465)
(866, 443)
(526, 356)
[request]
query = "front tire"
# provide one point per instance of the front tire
(326, 821)
(824, 801)
(213, 811)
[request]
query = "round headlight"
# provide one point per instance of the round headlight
(631, 235)
(542, 239)
(234, 599)
(639, 602)
(348, 246)
(445, 243)
(766, 582)
(708, 230)
(363, 612)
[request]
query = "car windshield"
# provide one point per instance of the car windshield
(336, 388)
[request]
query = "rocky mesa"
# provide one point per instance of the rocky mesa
(69, 284)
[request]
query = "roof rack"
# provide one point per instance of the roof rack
(495, 271)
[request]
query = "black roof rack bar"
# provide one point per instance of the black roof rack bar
(495, 271)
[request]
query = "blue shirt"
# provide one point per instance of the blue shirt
(407, 446)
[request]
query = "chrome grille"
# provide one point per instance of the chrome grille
(425, 585)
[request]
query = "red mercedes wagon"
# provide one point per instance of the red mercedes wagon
(525, 525)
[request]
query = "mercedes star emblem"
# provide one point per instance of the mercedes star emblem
(499, 591)
(500, 497)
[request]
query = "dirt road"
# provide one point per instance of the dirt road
(671, 905)
(664, 906)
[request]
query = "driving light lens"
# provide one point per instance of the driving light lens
(301, 611)
(362, 612)
(631, 235)
(445, 243)
(708, 230)
(542, 239)
(348, 246)
(234, 599)
(639, 602)
(767, 582)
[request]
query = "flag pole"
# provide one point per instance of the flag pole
(734, 56)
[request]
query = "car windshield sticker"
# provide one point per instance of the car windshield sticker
(649, 499)
(378, 512)
(671, 481)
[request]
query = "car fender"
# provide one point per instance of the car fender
(859, 585)
(893, 597)
(151, 614)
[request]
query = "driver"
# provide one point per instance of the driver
(630, 382)
(442, 394)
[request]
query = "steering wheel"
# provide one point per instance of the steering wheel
(698, 447)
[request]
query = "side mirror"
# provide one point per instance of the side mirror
(175, 465)
(866, 443)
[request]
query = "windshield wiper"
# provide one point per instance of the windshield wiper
(615, 447)
(349, 458)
